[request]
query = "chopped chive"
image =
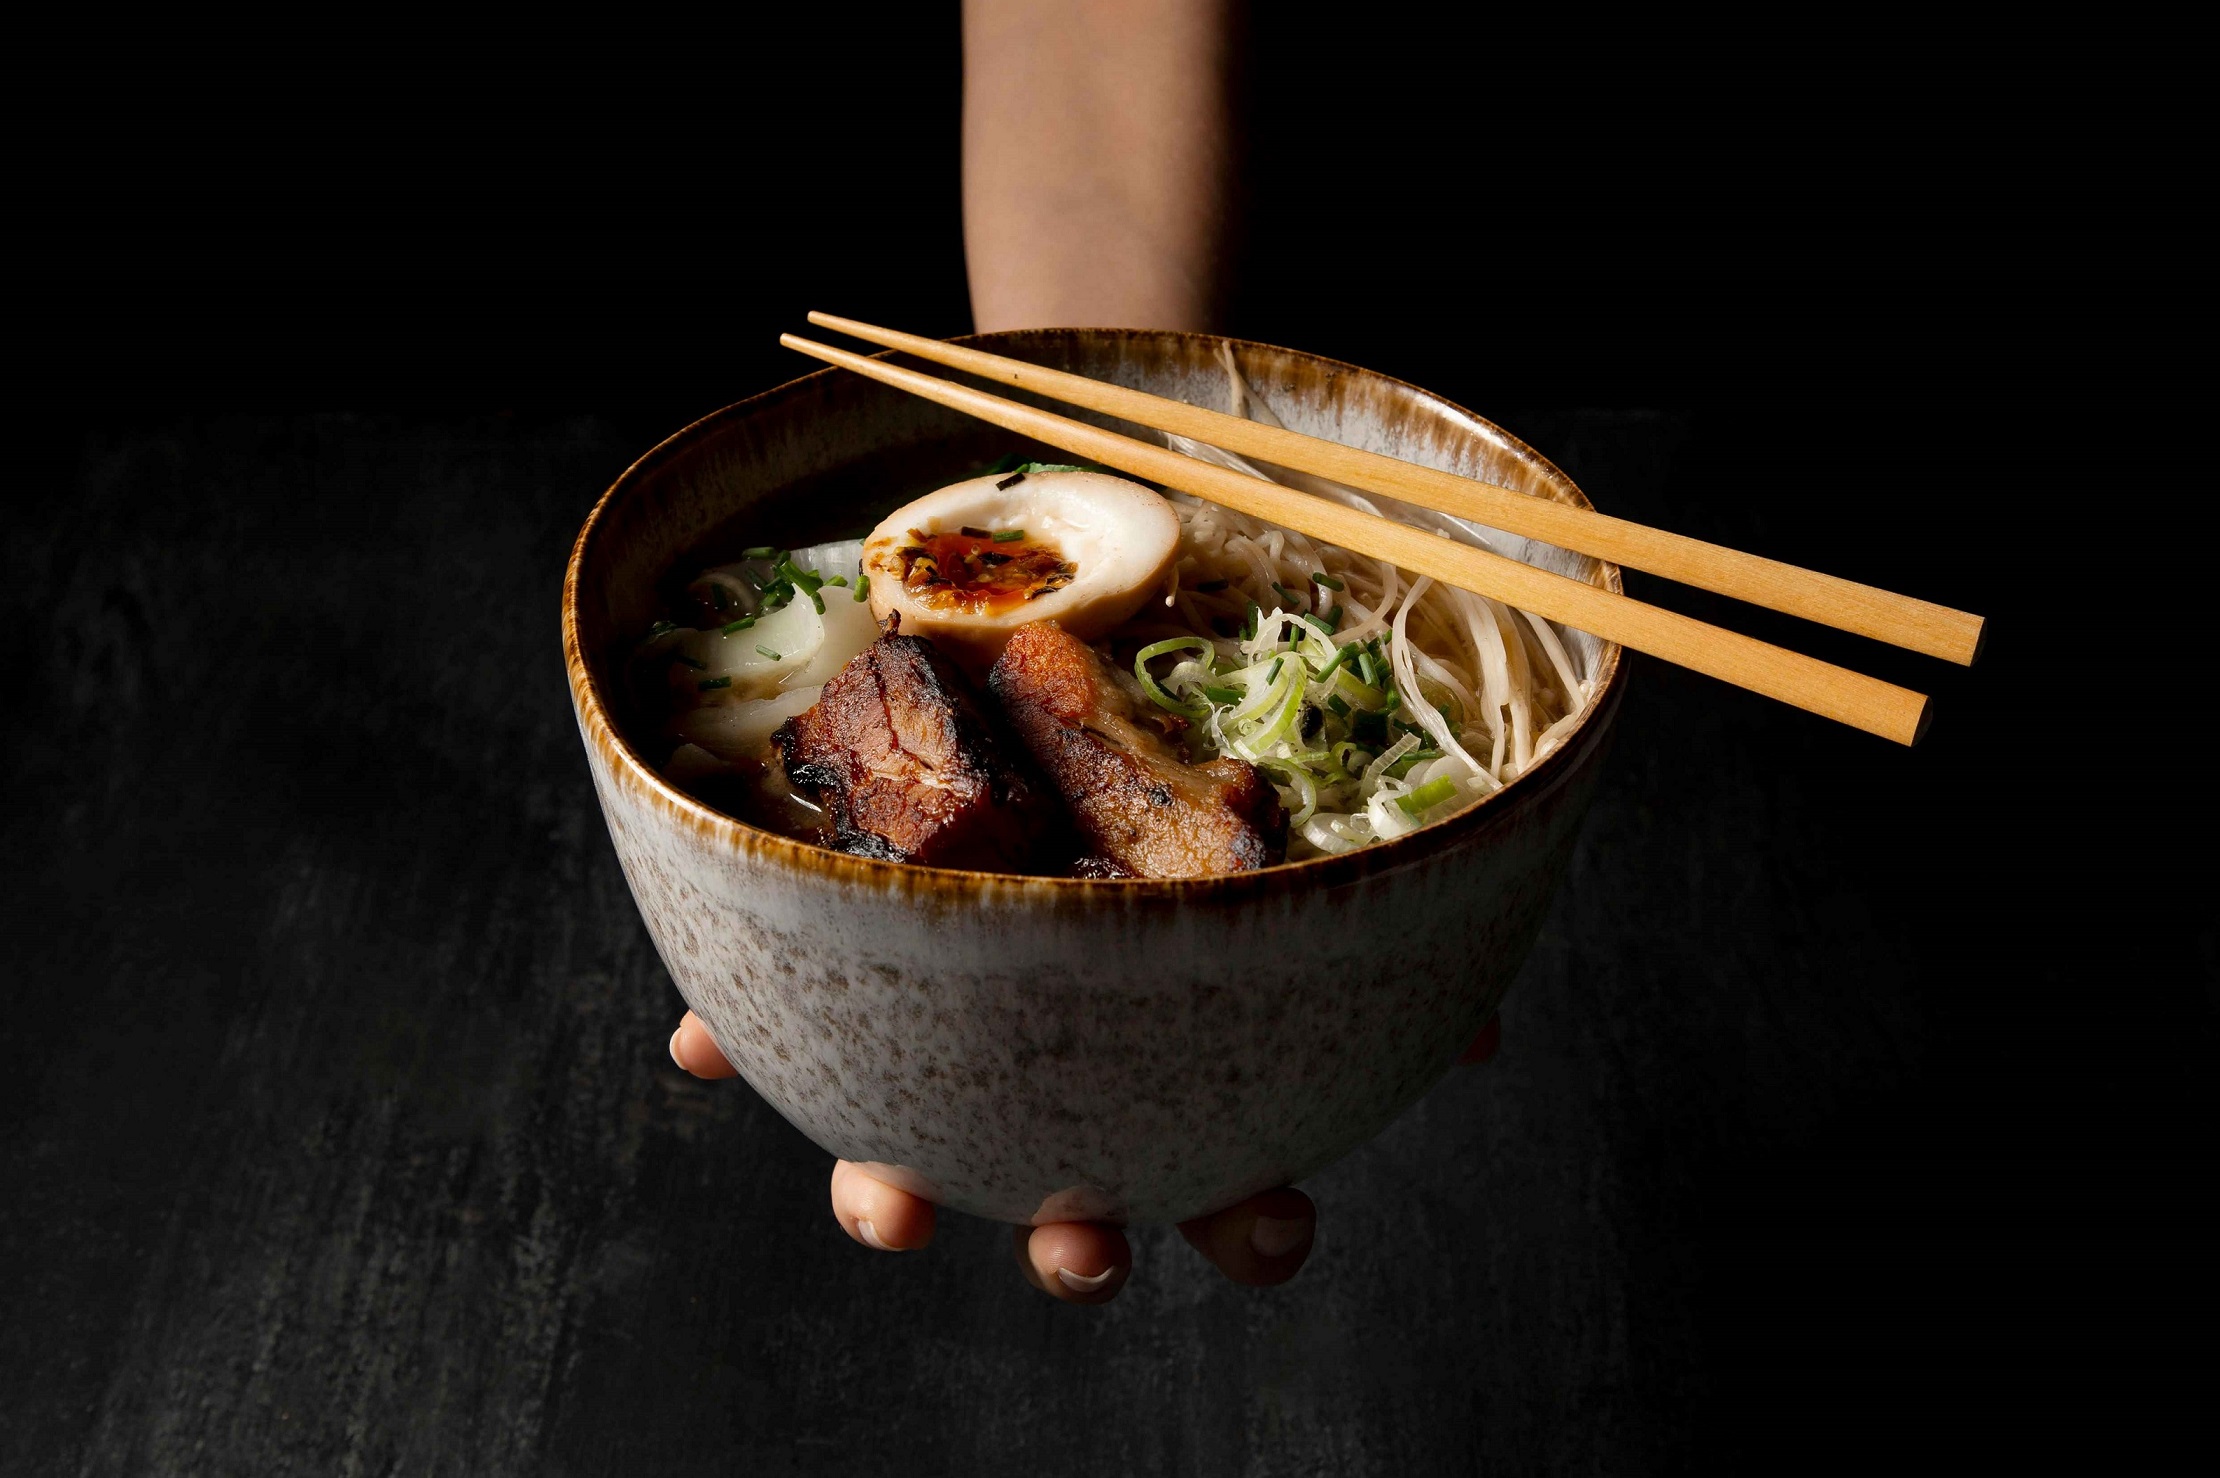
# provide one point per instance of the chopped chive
(1207, 586)
(1394, 701)
(766, 651)
(717, 596)
(1274, 675)
(1248, 626)
(971, 533)
(690, 662)
(1412, 761)
(818, 601)
(710, 684)
(840, 580)
(1426, 797)
(1285, 594)
(1217, 694)
(1343, 654)
(1319, 622)
(1008, 536)
(801, 579)
(1338, 704)
(1322, 578)
(863, 587)
(1010, 482)
(740, 625)
(761, 551)
(1333, 619)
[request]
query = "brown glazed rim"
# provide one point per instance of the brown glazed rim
(627, 766)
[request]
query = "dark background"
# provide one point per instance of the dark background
(1851, 1107)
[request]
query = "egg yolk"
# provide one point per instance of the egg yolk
(973, 570)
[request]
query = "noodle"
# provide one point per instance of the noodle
(1463, 665)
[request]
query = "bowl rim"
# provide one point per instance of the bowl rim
(597, 724)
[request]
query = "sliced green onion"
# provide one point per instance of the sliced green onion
(1011, 536)
(1217, 694)
(1338, 704)
(1322, 578)
(690, 662)
(710, 684)
(1426, 797)
(766, 651)
(740, 625)
(1154, 689)
(863, 587)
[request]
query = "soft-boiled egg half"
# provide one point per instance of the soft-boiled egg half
(968, 565)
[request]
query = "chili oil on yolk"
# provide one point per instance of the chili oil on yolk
(981, 571)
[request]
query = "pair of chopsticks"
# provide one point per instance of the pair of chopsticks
(1819, 687)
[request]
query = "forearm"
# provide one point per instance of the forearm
(1097, 149)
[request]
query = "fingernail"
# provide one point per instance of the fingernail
(1078, 1284)
(1273, 1237)
(870, 1235)
(674, 1048)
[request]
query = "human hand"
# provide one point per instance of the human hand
(1259, 1242)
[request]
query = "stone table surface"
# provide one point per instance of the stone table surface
(1849, 1105)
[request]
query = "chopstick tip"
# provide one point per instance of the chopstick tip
(1919, 730)
(1980, 642)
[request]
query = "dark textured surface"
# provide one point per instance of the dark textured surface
(1852, 1113)
(341, 1135)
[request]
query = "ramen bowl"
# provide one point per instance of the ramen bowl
(1036, 1049)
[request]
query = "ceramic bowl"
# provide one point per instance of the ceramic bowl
(1042, 1049)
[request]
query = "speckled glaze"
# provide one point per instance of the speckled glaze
(1041, 1049)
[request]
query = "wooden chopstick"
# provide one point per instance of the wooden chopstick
(1819, 687)
(1901, 620)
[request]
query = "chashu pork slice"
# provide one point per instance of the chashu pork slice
(1142, 806)
(907, 767)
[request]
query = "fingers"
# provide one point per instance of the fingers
(1486, 1044)
(1260, 1242)
(1080, 1262)
(692, 1050)
(877, 1214)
